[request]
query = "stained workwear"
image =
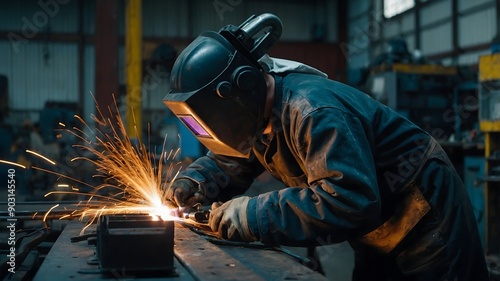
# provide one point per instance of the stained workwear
(350, 163)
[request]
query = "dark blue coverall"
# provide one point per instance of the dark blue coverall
(349, 163)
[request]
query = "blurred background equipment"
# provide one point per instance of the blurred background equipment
(418, 90)
(489, 114)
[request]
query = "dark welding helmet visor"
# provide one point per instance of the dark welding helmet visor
(225, 112)
(218, 90)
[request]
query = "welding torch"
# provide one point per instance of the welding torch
(198, 216)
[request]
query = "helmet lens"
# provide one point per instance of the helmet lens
(194, 126)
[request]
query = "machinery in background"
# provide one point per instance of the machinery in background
(421, 91)
(489, 117)
(52, 115)
(440, 99)
(444, 101)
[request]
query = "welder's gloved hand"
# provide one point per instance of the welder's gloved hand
(229, 220)
(184, 193)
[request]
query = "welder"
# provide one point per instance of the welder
(355, 170)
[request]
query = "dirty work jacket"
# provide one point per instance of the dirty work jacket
(345, 159)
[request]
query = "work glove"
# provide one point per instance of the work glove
(184, 193)
(229, 220)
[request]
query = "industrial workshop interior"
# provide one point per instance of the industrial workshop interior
(250, 140)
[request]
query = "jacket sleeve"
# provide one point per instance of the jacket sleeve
(220, 178)
(342, 199)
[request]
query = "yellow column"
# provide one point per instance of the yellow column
(133, 67)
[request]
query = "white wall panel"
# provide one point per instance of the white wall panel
(471, 58)
(477, 28)
(464, 5)
(408, 22)
(42, 72)
(437, 39)
(399, 25)
(436, 10)
(392, 29)
(36, 74)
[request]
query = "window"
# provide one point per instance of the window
(395, 7)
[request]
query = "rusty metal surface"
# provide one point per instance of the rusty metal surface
(216, 262)
(195, 259)
(106, 53)
(207, 261)
(150, 243)
(68, 261)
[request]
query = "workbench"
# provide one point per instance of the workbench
(195, 258)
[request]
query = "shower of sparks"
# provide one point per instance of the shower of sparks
(46, 214)
(40, 156)
(12, 163)
(138, 179)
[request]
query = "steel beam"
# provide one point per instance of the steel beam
(106, 53)
(133, 59)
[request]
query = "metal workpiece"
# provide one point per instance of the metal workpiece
(195, 258)
(135, 243)
(78, 261)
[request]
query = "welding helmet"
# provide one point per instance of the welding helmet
(217, 87)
